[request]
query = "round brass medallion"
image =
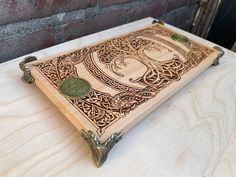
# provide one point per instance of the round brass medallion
(75, 87)
(180, 38)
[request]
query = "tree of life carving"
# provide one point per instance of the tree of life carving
(158, 71)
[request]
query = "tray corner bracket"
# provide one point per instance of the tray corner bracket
(217, 60)
(100, 150)
(27, 77)
(161, 22)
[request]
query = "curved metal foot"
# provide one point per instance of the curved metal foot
(158, 21)
(217, 60)
(27, 77)
(100, 150)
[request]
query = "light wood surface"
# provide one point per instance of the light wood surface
(227, 164)
(184, 137)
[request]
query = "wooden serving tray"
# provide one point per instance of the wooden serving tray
(122, 80)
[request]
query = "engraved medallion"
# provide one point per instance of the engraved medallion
(75, 87)
(180, 38)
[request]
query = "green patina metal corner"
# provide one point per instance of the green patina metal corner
(27, 77)
(217, 60)
(100, 150)
(180, 38)
(75, 87)
(158, 21)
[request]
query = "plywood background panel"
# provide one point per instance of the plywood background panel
(184, 137)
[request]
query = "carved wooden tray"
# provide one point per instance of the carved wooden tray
(124, 79)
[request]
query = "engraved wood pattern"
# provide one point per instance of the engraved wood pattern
(184, 137)
(125, 72)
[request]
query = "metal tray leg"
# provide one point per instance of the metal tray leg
(27, 77)
(158, 21)
(217, 60)
(100, 150)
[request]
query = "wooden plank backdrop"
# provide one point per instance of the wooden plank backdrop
(185, 136)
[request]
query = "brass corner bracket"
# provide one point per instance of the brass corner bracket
(100, 150)
(158, 21)
(217, 60)
(27, 77)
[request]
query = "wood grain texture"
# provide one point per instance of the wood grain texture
(184, 137)
(227, 164)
